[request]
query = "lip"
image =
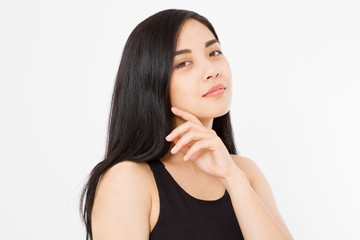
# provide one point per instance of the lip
(214, 89)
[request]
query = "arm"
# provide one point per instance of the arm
(122, 204)
(254, 204)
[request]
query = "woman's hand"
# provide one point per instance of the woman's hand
(208, 152)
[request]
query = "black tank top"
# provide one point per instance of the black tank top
(183, 217)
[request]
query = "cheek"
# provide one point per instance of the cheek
(227, 74)
(179, 92)
(226, 69)
(182, 90)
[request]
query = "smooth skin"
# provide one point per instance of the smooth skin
(127, 202)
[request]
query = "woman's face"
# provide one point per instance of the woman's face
(198, 66)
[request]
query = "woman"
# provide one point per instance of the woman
(171, 169)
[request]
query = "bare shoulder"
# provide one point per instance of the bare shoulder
(130, 170)
(261, 186)
(250, 168)
(123, 196)
(241, 160)
(126, 176)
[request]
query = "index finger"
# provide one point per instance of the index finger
(185, 115)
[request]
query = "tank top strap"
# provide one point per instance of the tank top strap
(155, 165)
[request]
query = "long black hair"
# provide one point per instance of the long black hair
(140, 116)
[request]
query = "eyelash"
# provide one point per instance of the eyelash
(180, 65)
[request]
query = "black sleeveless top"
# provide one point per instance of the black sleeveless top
(183, 217)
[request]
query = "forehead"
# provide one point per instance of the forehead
(193, 33)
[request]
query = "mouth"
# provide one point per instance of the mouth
(215, 91)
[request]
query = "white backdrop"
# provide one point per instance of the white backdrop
(295, 110)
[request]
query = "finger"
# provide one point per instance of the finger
(202, 144)
(187, 138)
(185, 115)
(185, 148)
(183, 128)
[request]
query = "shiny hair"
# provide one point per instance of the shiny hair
(140, 116)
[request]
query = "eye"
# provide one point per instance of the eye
(215, 53)
(183, 64)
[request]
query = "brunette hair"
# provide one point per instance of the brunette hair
(140, 116)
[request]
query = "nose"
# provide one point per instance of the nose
(211, 72)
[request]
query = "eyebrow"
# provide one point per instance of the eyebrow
(207, 44)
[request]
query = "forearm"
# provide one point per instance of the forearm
(256, 221)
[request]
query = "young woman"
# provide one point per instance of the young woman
(171, 169)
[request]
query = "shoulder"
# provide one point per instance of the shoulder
(125, 177)
(127, 170)
(256, 178)
(123, 195)
(261, 186)
(250, 168)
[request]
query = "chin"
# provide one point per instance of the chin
(215, 107)
(213, 113)
(222, 113)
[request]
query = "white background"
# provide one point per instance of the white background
(295, 109)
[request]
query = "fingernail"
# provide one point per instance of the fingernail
(173, 149)
(186, 157)
(168, 136)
